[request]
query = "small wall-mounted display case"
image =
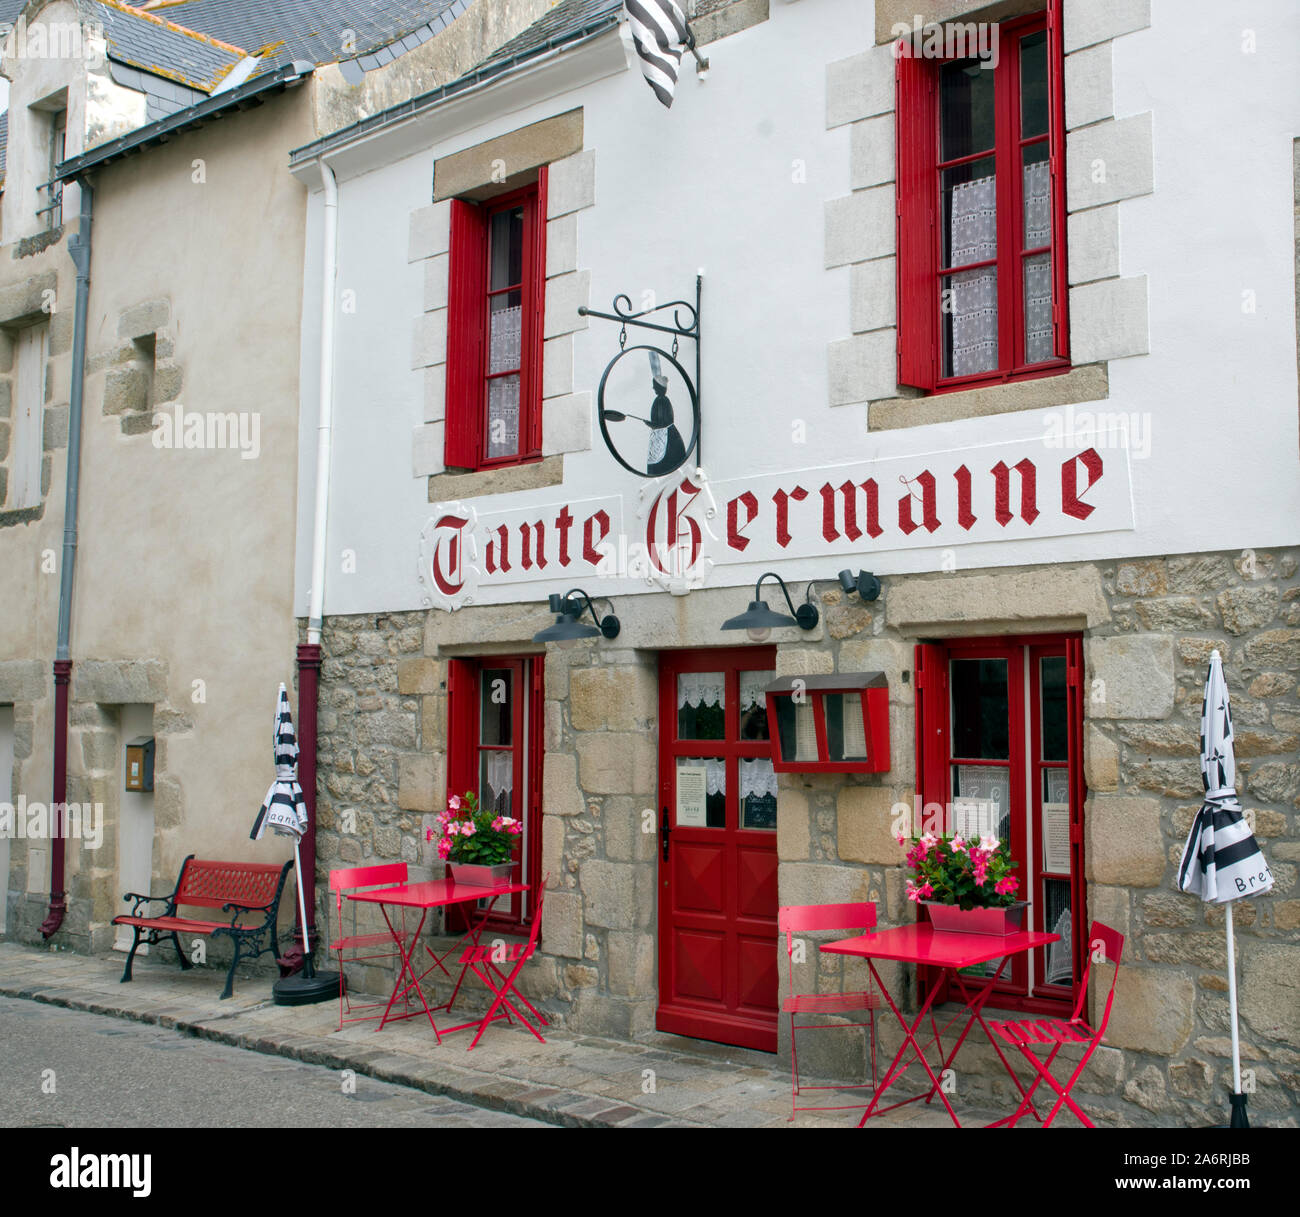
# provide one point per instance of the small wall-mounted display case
(829, 724)
(139, 764)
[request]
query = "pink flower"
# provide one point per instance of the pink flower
(990, 843)
(467, 828)
(428, 834)
(924, 892)
(958, 844)
(1004, 887)
(444, 848)
(454, 802)
(901, 839)
(928, 842)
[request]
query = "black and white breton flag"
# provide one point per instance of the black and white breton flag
(661, 38)
(1221, 860)
(283, 810)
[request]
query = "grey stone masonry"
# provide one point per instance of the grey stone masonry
(1148, 627)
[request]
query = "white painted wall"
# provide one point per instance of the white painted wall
(709, 184)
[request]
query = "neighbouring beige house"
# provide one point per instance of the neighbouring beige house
(181, 616)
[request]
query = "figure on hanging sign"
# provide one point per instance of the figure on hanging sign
(666, 450)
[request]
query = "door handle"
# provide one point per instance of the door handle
(665, 830)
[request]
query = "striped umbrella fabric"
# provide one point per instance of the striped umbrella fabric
(1221, 861)
(283, 810)
(661, 38)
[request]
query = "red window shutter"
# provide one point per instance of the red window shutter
(931, 676)
(537, 319)
(462, 717)
(466, 308)
(932, 722)
(916, 128)
(1078, 794)
(1056, 171)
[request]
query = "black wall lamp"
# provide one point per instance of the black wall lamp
(569, 627)
(759, 620)
(864, 583)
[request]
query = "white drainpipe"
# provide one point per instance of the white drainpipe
(329, 276)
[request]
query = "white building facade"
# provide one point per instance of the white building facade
(1007, 322)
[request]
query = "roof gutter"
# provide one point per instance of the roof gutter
(243, 97)
(490, 73)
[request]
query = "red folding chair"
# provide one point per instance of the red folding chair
(350, 880)
(807, 919)
(483, 961)
(1104, 946)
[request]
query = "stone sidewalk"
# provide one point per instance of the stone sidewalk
(571, 1080)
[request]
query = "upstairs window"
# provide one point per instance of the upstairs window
(981, 210)
(49, 206)
(496, 292)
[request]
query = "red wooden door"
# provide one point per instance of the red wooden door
(717, 848)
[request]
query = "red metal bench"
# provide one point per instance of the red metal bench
(236, 888)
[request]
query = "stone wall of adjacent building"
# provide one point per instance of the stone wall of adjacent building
(1148, 626)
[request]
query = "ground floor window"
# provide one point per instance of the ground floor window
(1000, 728)
(494, 748)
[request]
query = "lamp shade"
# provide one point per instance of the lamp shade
(759, 617)
(567, 628)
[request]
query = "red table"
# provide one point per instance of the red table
(945, 953)
(437, 893)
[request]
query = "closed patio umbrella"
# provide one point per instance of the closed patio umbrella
(1222, 861)
(284, 811)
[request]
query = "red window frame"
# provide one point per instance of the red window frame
(934, 761)
(464, 693)
(468, 303)
(920, 269)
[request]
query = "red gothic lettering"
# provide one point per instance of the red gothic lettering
(849, 497)
(1028, 492)
(682, 531)
(589, 542)
(750, 503)
(563, 522)
(782, 501)
(444, 562)
(929, 512)
(1071, 504)
(490, 558)
(528, 535)
(965, 517)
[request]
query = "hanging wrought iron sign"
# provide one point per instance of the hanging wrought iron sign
(648, 404)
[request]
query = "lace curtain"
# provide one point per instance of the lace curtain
(498, 780)
(752, 685)
(757, 778)
(700, 689)
(974, 292)
(974, 299)
(504, 346)
(1038, 269)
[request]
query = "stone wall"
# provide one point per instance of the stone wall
(1148, 626)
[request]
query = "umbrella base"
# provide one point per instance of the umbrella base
(303, 990)
(1239, 1119)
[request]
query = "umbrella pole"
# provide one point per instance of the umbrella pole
(1237, 1099)
(309, 985)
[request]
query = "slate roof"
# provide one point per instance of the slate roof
(563, 21)
(567, 21)
(153, 43)
(312, 30)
